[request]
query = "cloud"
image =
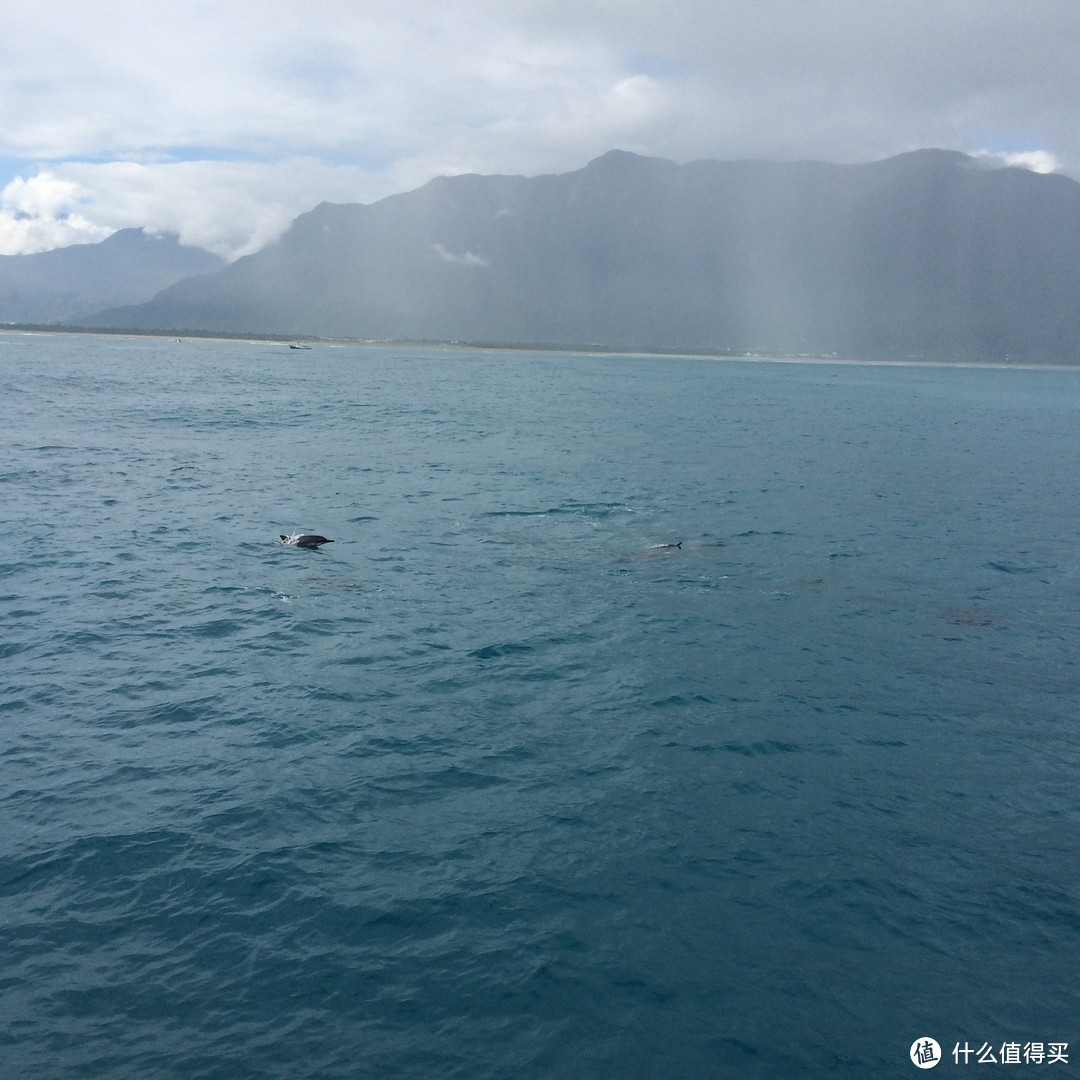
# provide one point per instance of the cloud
(37, 215)
(222, 121)
(231, 208)
(1039, 161)
(468, 259)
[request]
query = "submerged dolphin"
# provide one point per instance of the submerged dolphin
(308, 540)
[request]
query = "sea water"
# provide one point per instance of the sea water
(499, 784)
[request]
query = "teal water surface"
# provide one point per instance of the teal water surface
(496, 785)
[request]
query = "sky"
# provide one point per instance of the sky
(222, 120)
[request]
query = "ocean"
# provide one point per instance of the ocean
(501, 784)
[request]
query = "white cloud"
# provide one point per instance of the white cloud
(232, 208)
(1040, 161)
(470, 258)
(37, 215)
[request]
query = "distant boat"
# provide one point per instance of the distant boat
(300, 345)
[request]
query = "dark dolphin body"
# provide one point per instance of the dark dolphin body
(308, 540)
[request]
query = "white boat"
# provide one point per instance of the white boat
(300, 345)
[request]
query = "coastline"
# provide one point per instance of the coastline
(525, 349)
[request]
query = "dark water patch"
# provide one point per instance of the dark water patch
(490, 652)
(762, 748)
(23, 613)
(674, 701)
(573, 509)
(974, 616)
(208, 671)
(217, 628)
(169, 714)
(434, 785)
(358, 660)
(323, 694)
(79, 639)
(1005, 567)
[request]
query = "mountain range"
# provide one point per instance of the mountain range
(928, 254)
(69, 284)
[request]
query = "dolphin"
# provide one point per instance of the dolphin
(308, 540)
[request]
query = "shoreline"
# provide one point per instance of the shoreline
(17, 330)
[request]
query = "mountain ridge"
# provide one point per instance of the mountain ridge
(70, 283)
(929, 253)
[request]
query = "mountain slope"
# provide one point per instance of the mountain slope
(924, 254)
(68, 284)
